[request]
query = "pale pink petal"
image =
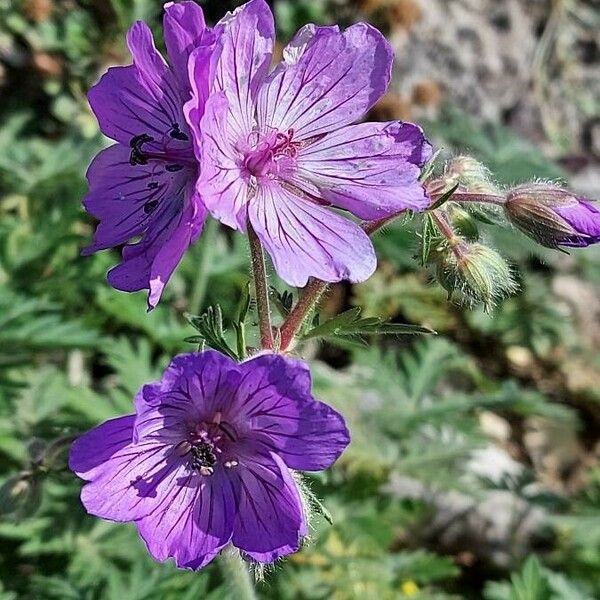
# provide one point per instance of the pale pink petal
(371, 169)
(330, 79)
(243, 56)
(306, 240)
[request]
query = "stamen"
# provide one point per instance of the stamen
(177, 134)
(150, 206)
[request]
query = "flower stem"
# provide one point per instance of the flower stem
(313, 292)
(259, 273)
(468, 197)
(446, 230)
(307, 301)
(236, 575)
(207, 252)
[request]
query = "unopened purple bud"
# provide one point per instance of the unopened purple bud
(553, 216)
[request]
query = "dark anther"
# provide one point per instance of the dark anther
(153, 185)
(202, 455)
(137, 156)
(177, 134)
(174, 168)
(150, 206)
(137, 140)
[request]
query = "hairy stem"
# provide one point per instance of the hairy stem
(207, 252)
(259, 273)
(307, 301)
(313, 292)
(468, 197)
(446, 230)
(236, 575)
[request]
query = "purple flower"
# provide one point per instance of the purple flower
(277, 148)
(553, 216)
(206, 459)
(145, 184)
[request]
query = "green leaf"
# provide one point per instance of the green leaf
(350, 323)
(444, 198)
(210, 327)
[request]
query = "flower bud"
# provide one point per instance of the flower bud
(20, 495)
(471, 175)
(553, 216)
(475, 274)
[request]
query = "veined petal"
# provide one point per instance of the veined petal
(329, 79)
(306, 240)
(194, 386)
(270, 520)
(128, 198)
(184, 29)
(151, 262)
(371, 169)
(193, 522)
(126, 480)
(142, 98)
(274, 399)
(222, 182)
(243, 56)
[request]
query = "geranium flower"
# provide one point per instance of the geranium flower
(278, 148)
(144, 184)
(206, 460)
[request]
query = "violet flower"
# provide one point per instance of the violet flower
(278, 148)
(144, 184)
(553, 216)
(206, 460)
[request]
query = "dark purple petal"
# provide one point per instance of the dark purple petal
(328, 79)
(142, 98)
(274, 400)
(270, 520)
(194, 386)
(584, 217)
(306, 240)
(193, 521)
(126, 480)
(243, 56)
(371, 169)
(151, 262)
(128, 198)
(184, 29)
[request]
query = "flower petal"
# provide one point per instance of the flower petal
(198, 385)
(244, 54)
(144, 199)
(329, 79)
(270, 519)
(128, 198)
(126, 480)
(371, 169)
(584, 217)
(142, 98)
(184, 29)
(193, 522)
(306, 240)
(274, 399)
(223, 184)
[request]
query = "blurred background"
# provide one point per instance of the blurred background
(473, 471)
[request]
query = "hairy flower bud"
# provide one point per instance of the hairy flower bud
(553, 216)
(470, 175)
(475, 274)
